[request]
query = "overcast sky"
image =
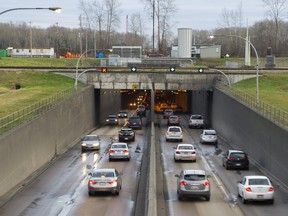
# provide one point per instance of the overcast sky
(203, 14)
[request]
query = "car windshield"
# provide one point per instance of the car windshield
(174, 130)
(194, 177)
(102, 174)
(118, 146)
(258, 182)
(185, 147)
(90, 138)
(112, 116)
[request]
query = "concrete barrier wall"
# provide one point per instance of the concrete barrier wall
(30, 147)
(264, 141)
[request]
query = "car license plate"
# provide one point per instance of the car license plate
(195, 187)
(126, 138)
(260, 196)
(185, 153)
(102, 183)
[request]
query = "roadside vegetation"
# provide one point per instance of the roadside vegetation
(35, 86)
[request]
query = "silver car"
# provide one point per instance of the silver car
(174, 133)
(196, 121)
(193, 183)
(185, 152)
(119, 150)
(104, 180)
(90, 142)
(209, 136)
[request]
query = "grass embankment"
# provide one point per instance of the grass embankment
(35, 87)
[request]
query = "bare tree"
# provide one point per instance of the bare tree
(276, 10)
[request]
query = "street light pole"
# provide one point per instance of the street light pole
(257, 60)
(55, 9)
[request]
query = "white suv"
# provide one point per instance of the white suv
(174, 133)
(196, 121)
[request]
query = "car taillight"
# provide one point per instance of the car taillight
(193, 152)
(178, 152)
(248, 189)
(183, 183)
(230, 159)
(206, 183)
(111, 151)
(128, 123)
(91, 182)
(112, 182)
(271, 189)
(125, 151)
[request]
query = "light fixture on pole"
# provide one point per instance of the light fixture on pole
(257, 60)
(55, 9)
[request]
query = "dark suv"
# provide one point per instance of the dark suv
(126, 134)
(134, 122)
(141, 111)
(236, 159)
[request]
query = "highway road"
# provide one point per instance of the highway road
(61, 189)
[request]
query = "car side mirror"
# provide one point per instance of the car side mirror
(174, 147)
(209, 176)
(239, 181)
(176, 175)
(89, 173)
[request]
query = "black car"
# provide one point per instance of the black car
(236, 159)
(134, 122)
(112, 120)
(141, 111)
(126, 134)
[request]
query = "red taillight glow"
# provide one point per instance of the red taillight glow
(230, 159)
(271, 189)
(91, 182)
(111, 151)
(125, 151)
(183, 183)
(248, 189)
(178, 152)
(207, 183)
(112, 182)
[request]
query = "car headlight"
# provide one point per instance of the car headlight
(83, 144)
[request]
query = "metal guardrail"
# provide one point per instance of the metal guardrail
(29, 113)
(274, 114)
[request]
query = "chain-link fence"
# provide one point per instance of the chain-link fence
(274, 114)
(22, 116)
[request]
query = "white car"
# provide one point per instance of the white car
(119, 150)
(185, 152)
(255, 188)
(90, 142)
(209, 136)
(174, 133)
(196, 121)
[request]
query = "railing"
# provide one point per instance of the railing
(274, 114)
(29, 113)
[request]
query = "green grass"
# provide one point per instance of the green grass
(273, 89)
(35, 86)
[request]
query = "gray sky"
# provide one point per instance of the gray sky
(204, 14)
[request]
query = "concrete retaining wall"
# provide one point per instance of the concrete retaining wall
(30, 147)
(264, 141)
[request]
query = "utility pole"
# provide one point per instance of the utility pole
(247, 49)
(30, 39)
(153, 34)
(80, 34)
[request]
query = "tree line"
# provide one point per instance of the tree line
(99, 20)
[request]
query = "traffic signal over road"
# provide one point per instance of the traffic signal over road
(103, 70)
(172, 69)
(134, 69)
(201, 70)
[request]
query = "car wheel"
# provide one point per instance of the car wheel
(244, 201)
(271, 201)
(247, 168)
(110, 159)
(227, 167)
(90, 193)
(180, 140)
(207, 198)
(128, 159)
(116, 192)
(180, 197)
(175, 160)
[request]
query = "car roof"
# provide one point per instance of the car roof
(130, 129)
(112, 115)
(192, 171)
(210, 130)
(183, 144)
(173, 116)
(256, 177)
(122, 111)
(174, 127)
(104, 170)
(117, 143)
(235, 151)
(91, 135)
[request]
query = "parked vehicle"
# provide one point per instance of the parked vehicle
(255, 188)
(119, 150)
(174, 133)
(90, 142)
(184, 152)
(193, 183)
(173, 120)
(112, 120)
(236, 159)
(209, 136)
(196, 121)
(105, 180)
(135, 122)
(126, 134)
